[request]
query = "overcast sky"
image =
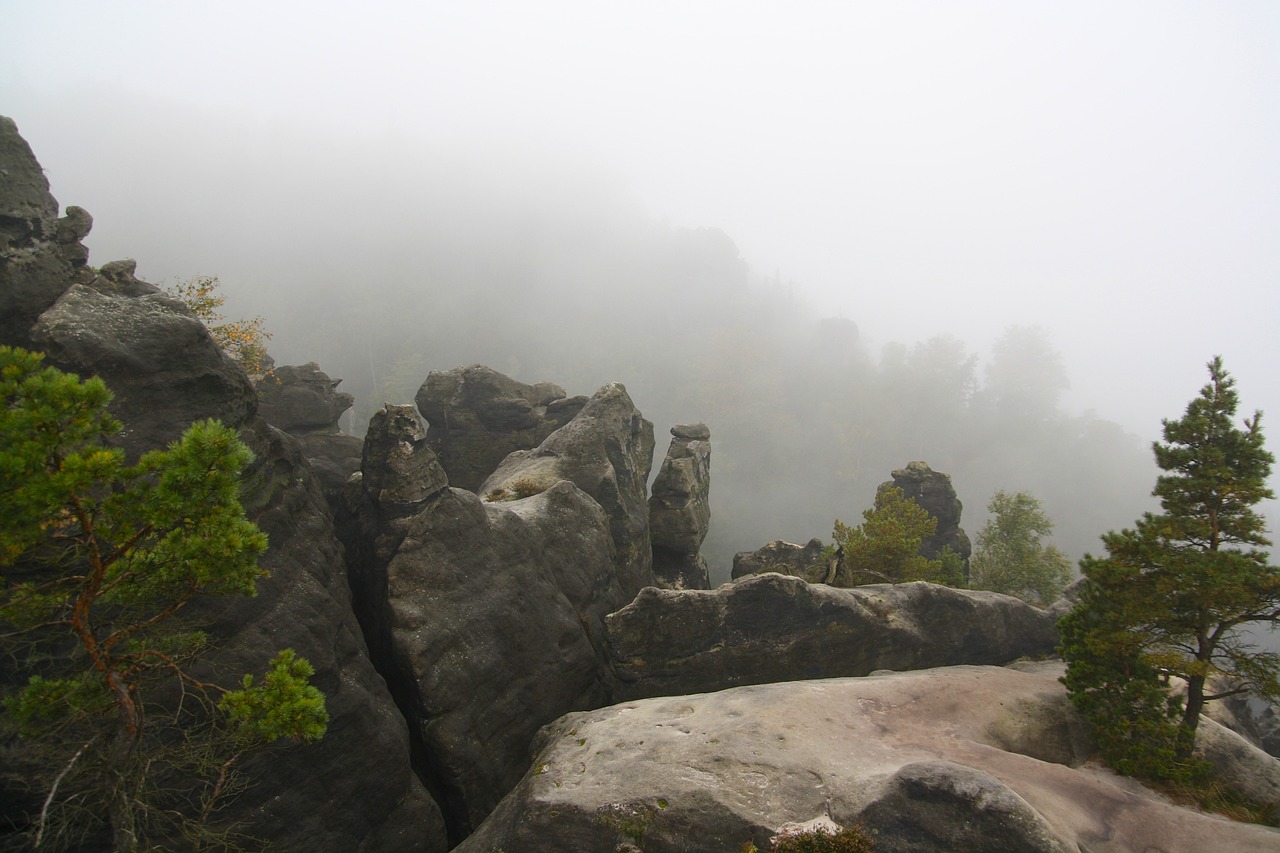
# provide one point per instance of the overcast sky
(1108, 169)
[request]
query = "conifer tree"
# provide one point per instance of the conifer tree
(99, 559)
(1172, 594)
(885, 548)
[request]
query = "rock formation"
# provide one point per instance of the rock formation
(477, 416)
(933, 491)
(787, 558)
(680, 509)
(487, 616)
(963, 759)
(607, 452)
(302, 400)
(773, 627)
(355, 789)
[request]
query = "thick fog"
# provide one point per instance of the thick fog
(1003, 238)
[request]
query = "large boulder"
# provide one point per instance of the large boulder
(680, 509)
(487, 616)
(774, 627)
(933, 491)
(302, 400)
(962, 759)
(607, 452)
(355, 789)
(158, 360)
(477, 416)
(786, 558)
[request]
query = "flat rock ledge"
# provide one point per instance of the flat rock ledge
(964, 758)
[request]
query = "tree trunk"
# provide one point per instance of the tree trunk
(1191, 715)
(120, 781)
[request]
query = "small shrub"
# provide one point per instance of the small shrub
(527, 487)
(850, 839)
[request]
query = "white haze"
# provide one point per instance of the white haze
(1107, 170)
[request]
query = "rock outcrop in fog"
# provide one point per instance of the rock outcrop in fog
(498, 576)
(354, 790)
(306, 403)
(487, 616)
(477, 416)
(933, 490)
(785, 558)
(680, 509)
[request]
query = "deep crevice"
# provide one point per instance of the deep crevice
(367, 579)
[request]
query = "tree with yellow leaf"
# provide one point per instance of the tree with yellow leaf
(243, 340)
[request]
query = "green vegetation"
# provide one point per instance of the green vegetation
(519, 488)
(1169, 599)
(244, 340)
(849, 839)
(885, 548)
(1009, 556)
(115, 728)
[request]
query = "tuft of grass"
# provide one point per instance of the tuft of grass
(850, 839)
(520, 487)
(1214, 796)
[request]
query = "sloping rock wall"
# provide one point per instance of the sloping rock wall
(773, 627)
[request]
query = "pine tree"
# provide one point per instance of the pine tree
(885, 548)
(99, 561)
(1171, 596)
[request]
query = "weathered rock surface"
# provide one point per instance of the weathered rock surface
(680, 509)
(155, 356)
(773, 627)
(304, 402)
(34, 243)
(355, 790)
(477, 416)
(933, 491)
(958, 759)
(607, 452)
(785, 558)
(488, 615)
(302, 399)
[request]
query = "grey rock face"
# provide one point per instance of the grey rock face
(489, 617)
(33, 269)
(355, 790)
(156, 357)
(607, 451)
(933, 491)
(911, 756)
(302, 400)
(477, 416)
(773, 627)
(680, 509)
(785, 558)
